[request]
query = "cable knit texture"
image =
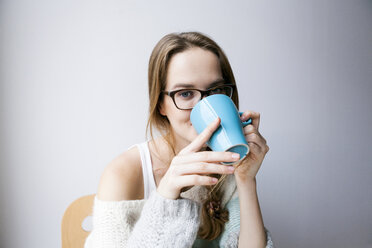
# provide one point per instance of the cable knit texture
(160, 222)
(113, 222)
(166, 223)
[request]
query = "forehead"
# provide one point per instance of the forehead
(195, 67)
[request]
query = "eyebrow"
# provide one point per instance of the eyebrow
(192, 86)
(216, 83)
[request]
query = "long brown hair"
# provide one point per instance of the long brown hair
(213, 218)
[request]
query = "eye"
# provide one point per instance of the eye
(218, 90)
(186, 94)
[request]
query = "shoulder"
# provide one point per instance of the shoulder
(122, 178)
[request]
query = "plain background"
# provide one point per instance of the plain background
(74, 96)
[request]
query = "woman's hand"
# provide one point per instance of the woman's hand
(249, 166)
(192, 167)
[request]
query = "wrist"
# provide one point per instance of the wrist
(167, 194)
(247, 181)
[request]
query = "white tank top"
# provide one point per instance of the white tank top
(148, 175)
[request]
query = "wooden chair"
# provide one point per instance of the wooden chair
(73, 234)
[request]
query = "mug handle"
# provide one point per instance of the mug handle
(247, 122)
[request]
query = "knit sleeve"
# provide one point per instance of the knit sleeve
(230, 236)
(113, 222)
(156, 222)
(166, 223)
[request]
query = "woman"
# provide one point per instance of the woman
(166, 192)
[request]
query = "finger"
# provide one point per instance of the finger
(204, 168)
(251, 129)
(254, 148)
(255, 138)
(202, 138)
(191, 180)
(208, 156)
(255, 118)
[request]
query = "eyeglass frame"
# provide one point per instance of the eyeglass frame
(202, 93)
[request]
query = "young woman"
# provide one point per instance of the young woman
(172, 191)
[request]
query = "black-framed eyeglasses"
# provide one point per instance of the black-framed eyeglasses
(185, 99)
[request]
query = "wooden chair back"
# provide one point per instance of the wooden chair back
(73, 234)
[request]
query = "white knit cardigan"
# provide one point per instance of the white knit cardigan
(159, 222)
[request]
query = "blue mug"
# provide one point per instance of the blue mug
(229, 136)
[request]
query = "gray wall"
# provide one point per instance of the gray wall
(73, 96)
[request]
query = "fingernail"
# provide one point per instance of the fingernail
(214, 180)
(231, 168)
(235, 155)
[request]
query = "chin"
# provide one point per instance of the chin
(188, 133)
(191, 138)
(192, 134)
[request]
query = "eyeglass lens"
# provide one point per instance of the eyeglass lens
(188, 98)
